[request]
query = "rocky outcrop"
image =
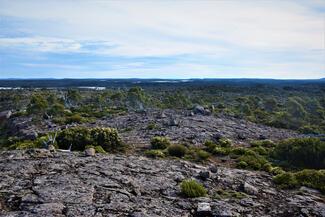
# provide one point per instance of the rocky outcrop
(5, 115)
(43, 183)
(177, 125)
(190, 129)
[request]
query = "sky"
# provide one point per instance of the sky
(162, 39)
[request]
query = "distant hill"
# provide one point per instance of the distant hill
(91, 83)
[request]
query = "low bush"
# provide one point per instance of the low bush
(221, 151)
(196, 154)
(277, 170)
(191, 188)
(262, 143)
(158, 142)
(202, 155)
(152, 126)
(242, 165)
(260, 150)
(310, 178)
(76, 118)
(177, 150)
(25, 145)
(220, 194)
(223, 142)
(301, 152)
(253, 160)
(267, 167)
(79, 137)
(154, 153)
(210, 146)
(238, 151)
(286, 180)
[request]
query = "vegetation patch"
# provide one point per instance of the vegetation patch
(301, 153)
(252, 159)
(159, 142)
(177, 150)
(79, 137)
(220, 194)
(154, 153)
(191, 188)
(310, 178)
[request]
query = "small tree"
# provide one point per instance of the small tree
(37, 105)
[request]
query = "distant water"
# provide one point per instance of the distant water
(81, 87)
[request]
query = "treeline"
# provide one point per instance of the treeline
(298, 106)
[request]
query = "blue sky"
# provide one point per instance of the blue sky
(162, 39)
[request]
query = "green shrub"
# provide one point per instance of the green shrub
(191, 188)
(154, 153)
(267, 167)
(253, 160)
(196, 154)
(202, 155)
(152, 126)
(302, 152)
(238, 151)
(312, 178)
(221, 151)
(286, 180)
(56, 109)
(223, 142)
(99, 149)
(176, 150)
(107, 138)
(158, 142)
(210, 146)
(79, 137)
(263, 143)
(241, 165)
(37, 105)
(277, 170)
(25, 145)
(260, 150)
(220, 194)
(75, 118)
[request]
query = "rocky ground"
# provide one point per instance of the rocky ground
(40, 183)
(179, 126)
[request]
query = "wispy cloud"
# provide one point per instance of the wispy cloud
(42, 44)
(277, 38)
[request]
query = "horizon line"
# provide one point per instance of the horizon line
(135, 78)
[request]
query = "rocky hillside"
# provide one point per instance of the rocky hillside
(180, 126)
(40, 183)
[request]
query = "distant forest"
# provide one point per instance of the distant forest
(291, 104)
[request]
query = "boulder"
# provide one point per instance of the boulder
(163, 115)
(249, 189)
(216, 137)
(241, 136)
(198, 109)
(204, 175)
(213, 169)
(173, 121)
(203, 210)
(5, 115)
(90, 152)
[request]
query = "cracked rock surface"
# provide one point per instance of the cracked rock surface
(39, 183)
(179, 126)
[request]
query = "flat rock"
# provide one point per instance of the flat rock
(63, 184)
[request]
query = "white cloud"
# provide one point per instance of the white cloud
(43, 44)
(202, 29)
(139, 26)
